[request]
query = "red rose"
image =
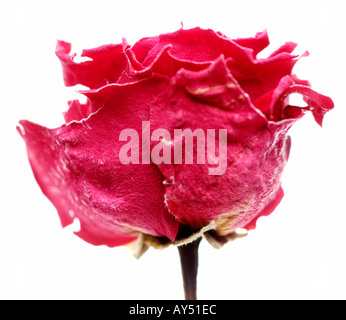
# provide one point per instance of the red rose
(196, 80)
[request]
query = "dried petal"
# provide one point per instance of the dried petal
(78, 168)
(78, 111)
(106, 65)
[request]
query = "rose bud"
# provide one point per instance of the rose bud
(182, 134)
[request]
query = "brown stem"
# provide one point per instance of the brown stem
(189, 267)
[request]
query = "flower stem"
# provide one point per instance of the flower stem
(189, 267)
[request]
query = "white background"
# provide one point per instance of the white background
(297, 253)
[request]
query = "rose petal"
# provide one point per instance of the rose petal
(317, 103)
(275, 104)
(51, 172)
(198, 45)
(142, 48)
(262, 75)
(189, 48)
(269, 208)
(108, 63)
(164, 64)
(257, 44)
(288, 47)
(256, 155)
(77, 111)
(78, 168)
(266, 103)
